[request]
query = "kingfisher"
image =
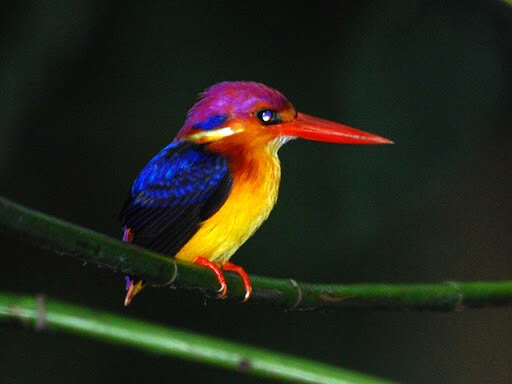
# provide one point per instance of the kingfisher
(203, 195)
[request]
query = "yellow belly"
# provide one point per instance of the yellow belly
(252, 197)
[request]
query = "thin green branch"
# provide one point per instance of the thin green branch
(172, 342)
(65, 238)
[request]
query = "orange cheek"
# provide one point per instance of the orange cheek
(288, 114)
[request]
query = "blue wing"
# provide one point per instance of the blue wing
(179, 188)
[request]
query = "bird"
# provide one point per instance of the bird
(204, 194)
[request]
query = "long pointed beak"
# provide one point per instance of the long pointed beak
(314, 128)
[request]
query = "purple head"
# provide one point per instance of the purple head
(230, 100)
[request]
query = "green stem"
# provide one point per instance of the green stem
(66, 238)
(172, 342)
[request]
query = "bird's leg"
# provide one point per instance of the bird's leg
(228, 266)
(223, 290)
(132, 288)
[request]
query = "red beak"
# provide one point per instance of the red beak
(314, 128)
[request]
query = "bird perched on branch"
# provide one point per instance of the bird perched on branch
(202, 196)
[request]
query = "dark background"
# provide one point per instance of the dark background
(91, 90)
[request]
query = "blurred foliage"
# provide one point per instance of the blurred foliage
(48, 314)
(92, 89)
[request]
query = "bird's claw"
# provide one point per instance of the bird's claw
(223, 290)
(247, 296)
(228, 266)
(212, 266)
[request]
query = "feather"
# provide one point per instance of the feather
(179, 188)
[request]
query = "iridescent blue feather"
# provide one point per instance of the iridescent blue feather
(181, 186)
(179, 176)
(211, 123)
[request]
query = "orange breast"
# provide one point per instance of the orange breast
(256, 174)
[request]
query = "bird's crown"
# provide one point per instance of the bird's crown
(230, 100)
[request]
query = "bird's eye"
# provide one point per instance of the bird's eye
(268, 117)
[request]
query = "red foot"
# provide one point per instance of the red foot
(228, 266)
(223, 290)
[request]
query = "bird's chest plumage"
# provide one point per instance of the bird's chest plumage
(256, 177)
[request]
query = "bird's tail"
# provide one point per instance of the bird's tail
(132, 287)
